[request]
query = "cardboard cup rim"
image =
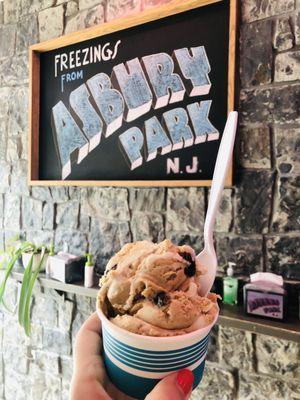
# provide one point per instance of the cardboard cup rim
(167, 339)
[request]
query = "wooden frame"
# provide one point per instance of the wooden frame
(172, 8)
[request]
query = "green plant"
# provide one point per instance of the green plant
(8, 261)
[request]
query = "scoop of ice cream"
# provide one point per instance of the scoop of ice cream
(153, 289)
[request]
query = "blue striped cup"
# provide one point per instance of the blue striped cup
(135, 363)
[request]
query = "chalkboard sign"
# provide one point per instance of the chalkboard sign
(139, 101)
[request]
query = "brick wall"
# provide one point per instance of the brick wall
(258, 226)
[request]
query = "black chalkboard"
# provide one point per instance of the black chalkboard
(97, 100)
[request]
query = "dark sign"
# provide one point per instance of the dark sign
(143, 105)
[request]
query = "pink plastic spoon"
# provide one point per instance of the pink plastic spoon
(207, 257)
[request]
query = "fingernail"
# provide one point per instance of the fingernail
(185, 380)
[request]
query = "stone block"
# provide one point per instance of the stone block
(40, 237)
(12, 333)
(59, 194)
(149, 200)
(283, 37)
(286, 104)
(256, 106)
(85, 19)
(287, 66)
(253, 10)
(41, 193)
(1, 248)
(185, 210)
(86, 4)
(51, 22)
(65, 315)
(217, 383)
(77, 241)
(253, 201)
(27, 33)
(85, 304)
(236, 349)
(46, 361)
(44, 311)
(277, 105)
(7, 40)
(16, 385)
(14, 148)
(12, 211)
(79, 319)
(48, 216)
(5, 99)
(14, 71)
(36, 382)
(254, 147)
(147, 226)
(11, 11)
(67, 215)
(3, 138)
(256, 53)
(84, 222)
(195, 241)
(153, 3)
(66, 368)
(57, 341)
(1, 211)
(5, 170)
(33, 6)
(71, 8)
(106, 239)
(75, 193)
(286, 214)
(258, 387)
(17, 118)
(296, 27)
(287, 149)
(278, 357)
(66, 364)
(32, 213)
(224, 219)
(121, 8)
(107, 203)
(283, 253)
(1, 23)
(245, 251)
(53, 384)
(19, 178)
(213, 353)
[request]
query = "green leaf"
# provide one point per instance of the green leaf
(24, 290)
(8, 269)
(33, 278)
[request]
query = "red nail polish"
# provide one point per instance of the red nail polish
(185, 380)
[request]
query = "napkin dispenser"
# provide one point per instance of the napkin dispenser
(265, 296)
(66, 267)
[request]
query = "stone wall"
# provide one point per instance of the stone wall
(258, 226)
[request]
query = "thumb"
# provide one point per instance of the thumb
(177, 386)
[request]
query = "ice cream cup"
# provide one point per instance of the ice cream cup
(135, 363)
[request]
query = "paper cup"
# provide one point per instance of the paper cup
(135, 363)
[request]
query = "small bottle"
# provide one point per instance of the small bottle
(48, 263)
(230, 286)
(89, 271)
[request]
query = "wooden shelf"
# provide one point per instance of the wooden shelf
(230, 316)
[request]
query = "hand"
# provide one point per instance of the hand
(90, 382)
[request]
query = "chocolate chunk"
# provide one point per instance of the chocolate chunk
(186, 256)
(161, 299)
(138, 297)
(190, 270)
